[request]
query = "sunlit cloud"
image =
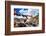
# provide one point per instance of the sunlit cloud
(27, 11)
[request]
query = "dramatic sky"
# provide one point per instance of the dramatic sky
(27, 11)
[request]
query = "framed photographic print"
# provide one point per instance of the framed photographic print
(24, 17)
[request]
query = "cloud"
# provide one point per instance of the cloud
(27, 11)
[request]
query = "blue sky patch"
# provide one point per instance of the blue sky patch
(26, 11)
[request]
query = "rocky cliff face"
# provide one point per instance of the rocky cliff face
(30, 20)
